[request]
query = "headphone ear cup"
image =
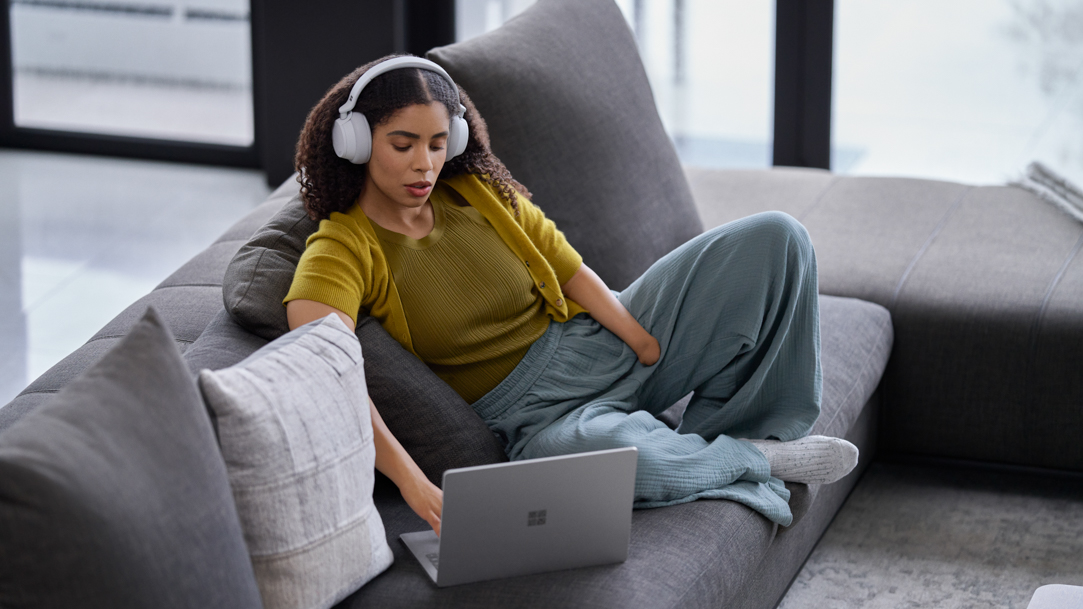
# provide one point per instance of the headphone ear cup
(342, 138)
(352, 139)
(362, 137)
(458, 134)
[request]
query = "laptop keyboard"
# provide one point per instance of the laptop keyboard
(434, 558)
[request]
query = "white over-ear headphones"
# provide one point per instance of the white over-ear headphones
(351, 135)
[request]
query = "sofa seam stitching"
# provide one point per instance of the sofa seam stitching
(928, 243)
(97, 338)
(819, 198)
(36, 391)
(187, 285)
(1036, 328)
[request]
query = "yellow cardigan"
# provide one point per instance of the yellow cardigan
(360, 278)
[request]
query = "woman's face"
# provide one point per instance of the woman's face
(408, 151)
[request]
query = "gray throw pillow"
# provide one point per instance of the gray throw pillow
(571, 114)
(435, 425)
(113, 493)
(294, 427)
(260, 274)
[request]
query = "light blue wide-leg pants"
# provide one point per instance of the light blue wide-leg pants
(735, 313)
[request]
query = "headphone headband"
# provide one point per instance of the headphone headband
(350, 134)
(396, 63)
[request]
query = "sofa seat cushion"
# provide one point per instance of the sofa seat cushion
(984, 285)
(703, 553)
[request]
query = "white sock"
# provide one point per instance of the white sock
(809, 460)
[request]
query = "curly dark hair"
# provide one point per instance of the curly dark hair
(330, 183)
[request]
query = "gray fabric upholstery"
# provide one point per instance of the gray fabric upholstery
(206, 268)
(571, 114)
(793, 545)
(54, 379)
(705, 553)
(855, 343)
(113, 493)
(185, 309)
(223, 343)
(293, 424)
(675, 554)
(259, 276)
(435, 425)
(983, 285)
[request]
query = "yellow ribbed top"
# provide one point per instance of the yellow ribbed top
(468, 308)
(472, 307)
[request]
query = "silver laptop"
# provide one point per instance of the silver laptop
(531, 516)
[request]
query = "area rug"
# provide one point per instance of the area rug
(922, 536)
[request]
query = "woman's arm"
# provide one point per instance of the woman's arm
(424, 497)
(392, 460)
(588, 289)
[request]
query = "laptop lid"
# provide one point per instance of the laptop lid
(531, 516)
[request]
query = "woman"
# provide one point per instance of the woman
(425, 229)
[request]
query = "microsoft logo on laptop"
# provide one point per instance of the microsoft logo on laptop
(534, 519)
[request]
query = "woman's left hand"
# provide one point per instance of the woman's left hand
(647, 349)
(425, 499)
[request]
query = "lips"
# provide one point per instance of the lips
(419, 189)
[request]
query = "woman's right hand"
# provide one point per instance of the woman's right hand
(425, 499)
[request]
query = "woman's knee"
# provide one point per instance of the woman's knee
(781, 226)
(766, 232)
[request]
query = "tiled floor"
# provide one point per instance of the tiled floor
(82, 237)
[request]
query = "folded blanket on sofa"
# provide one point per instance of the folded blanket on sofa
(1052, 188)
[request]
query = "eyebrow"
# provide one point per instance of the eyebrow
(414, 135)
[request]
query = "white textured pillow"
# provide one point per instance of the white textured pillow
(294, 428)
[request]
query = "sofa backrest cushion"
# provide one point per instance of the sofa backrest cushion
(435, 425)
(113, 492)
(293, 423)
(570, 112)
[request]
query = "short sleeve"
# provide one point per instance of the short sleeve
(549, 240)
(328, 272)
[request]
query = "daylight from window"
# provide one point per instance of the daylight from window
(710, 64)
(153, 68)
(965, 90)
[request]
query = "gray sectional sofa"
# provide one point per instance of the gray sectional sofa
(951, 315)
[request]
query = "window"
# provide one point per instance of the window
(153, 69)
(967, 90)
(710, 63)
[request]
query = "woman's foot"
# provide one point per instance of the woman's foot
(809, 460)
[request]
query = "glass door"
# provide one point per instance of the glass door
(135, 74)
(710, 64)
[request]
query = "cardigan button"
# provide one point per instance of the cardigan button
(527, 263)
(560, 302)
(542, 286)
